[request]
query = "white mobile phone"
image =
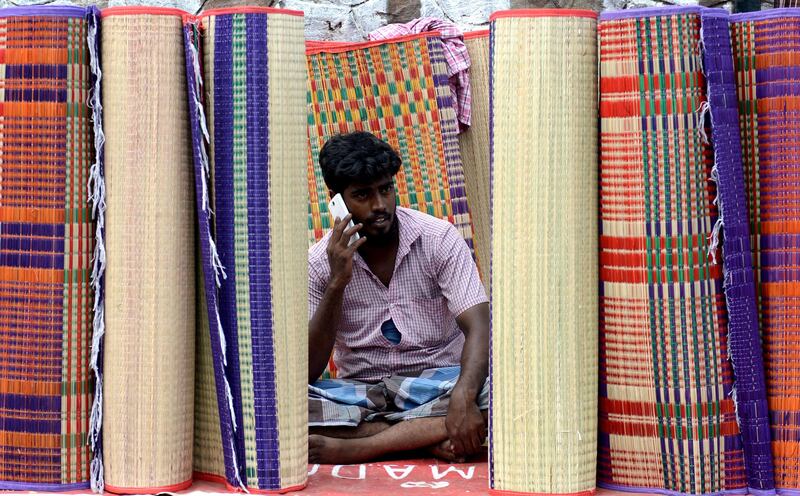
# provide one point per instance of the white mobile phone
(338, 209)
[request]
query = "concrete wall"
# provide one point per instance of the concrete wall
(351, 20)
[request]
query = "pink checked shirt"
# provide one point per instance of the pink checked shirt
(434, 280)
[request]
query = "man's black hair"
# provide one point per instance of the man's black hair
(358, 157)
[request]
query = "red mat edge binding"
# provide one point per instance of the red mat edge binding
(476, 34)
(500, 14)
(314, 47)
(502, 492)
(142, 10)
(249, 10)
(218, 479)
(149, 490)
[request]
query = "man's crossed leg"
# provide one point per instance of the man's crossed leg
(354, 422)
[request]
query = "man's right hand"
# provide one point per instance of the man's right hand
(340, 255)
(323, 325)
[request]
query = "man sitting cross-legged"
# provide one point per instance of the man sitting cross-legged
(406, 316)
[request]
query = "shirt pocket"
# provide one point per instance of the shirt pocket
(426, 323)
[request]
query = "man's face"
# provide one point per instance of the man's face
(373, 205)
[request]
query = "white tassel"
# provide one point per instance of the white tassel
(230, 403)
(701, 127)
(199, 90)
(97, 475)
(735, 405)
(713, 245)
(237, 479)
(222, 341)
(96, 417)
(715, 177)
(201, 117)
(714, 240)
(720, 223)
(216, 263)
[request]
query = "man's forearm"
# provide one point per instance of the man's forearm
(322, 330)
(474, 366)
(475, 356)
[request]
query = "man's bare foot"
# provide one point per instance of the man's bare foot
(408, 435)
(444, 451)
(330, 450)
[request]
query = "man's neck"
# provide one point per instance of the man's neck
(380, 255)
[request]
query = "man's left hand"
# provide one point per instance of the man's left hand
(465, 425)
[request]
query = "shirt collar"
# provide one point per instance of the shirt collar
(410, 231)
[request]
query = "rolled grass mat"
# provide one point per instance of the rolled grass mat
(398, 90)
(767, 60)
(474, 146)
(255, 100)
(744, 344)
(544, 252)
(46, 248)
(149, 281)
(667, 415)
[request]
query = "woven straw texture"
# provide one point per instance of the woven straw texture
(744, 345)
(397, 90)
(150, 295)
(46, 247)
(667, 418)
(474, 145)
(257, 139)
(767, 63)
(208, 448)
(544, 257)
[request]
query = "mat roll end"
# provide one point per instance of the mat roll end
(149, 490)
(502, 492)
(46, 488)
(218, 479)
